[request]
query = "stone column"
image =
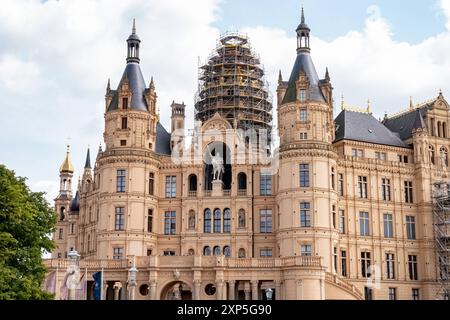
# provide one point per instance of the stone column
(225, 295)
(247, 290)
(255, 289)
(117, 287)
(219, 290)
(105, 290)
(131, 290)
(153, 290)
(231, 290)
(278, 295)
(197, 287)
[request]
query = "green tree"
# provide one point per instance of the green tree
(26, 221)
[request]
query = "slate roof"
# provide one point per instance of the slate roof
(136, 84)
(162, 145)
(75, 204)
(364, 127)
(304, 63)
(405, 123)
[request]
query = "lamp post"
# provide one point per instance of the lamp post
(269, 293)
(73, 271)
(132, 274)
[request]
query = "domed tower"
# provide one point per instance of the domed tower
(127, 170)
(307, 194)
(62, 204)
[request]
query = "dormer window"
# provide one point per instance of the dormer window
(124, 103)
(302, 95)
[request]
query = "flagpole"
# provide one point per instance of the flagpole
(85, 285)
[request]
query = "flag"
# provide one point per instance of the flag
(50, 283)
(98, 280)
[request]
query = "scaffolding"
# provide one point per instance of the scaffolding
(232, 84)
(441, 213)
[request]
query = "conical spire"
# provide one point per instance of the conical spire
(87, 165)
(133, 30)
(67, 164)
(327, 75)
(133, 45)
(303, 16)
(303, 35)
(411, 105)
(108, 86)
(280, 77)
(152, 84)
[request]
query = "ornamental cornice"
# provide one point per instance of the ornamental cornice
(299, 149)
(375, 165)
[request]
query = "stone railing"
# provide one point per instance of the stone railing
(343, 283)
(192, 194)
(189, 262)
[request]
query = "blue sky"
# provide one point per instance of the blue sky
(411, 21)
(56, 57)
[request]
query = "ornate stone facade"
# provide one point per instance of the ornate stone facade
(341, 210)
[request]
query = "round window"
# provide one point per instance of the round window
(143, 290)
(210, 289)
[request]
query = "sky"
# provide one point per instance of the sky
(56, 58)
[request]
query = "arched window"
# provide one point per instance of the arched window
(227, 251)
(89, 243)
(444, 130)
(241, 218)
(62, 213)
(191, 220)
(217, 221)
(241, 253)
(242, 181)
(444, 157)
(207, 251)
(217, 251)
(191, 252)
(192, 182)
(227, 220)
(432, 155)
(439, 129)
(207, 221)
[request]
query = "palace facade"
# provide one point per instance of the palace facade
(343, 208)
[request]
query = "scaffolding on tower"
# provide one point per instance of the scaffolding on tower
(232, 84)
(441, 213)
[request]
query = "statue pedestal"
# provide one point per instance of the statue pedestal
(217, 188)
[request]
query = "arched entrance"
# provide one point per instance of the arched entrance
(213, 149)
(176, 290)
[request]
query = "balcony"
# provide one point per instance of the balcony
(242, 192)
(192, 194)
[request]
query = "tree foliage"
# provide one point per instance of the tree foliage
(26, 223)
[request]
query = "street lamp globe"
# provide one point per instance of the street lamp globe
(269, 293)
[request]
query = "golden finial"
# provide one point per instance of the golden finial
(369, 107)
(342, 103)
(67, 164)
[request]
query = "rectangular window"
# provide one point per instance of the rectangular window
(364, 229)
(358, 153)
(265, 253)
(400, 158)
(362, 187)
(117, 253)
(265, 184)
(302, 95)
(341, 184)
(365, 264)
(169, 223)
(415, 294)
(303, 136)
(333, 177)
(72, 228)
(171, 186)
(412, 267)
(120, 219)
(411, 227)
(305, 215)
(303, 115)
(335, 259)
(408, 192)
(333, 216)
(61, 234)
(123, 143)
(342, 221)
(124, 103)
(392, 294)
(390, 266)
(149, 252)
(405, 159)
(386, 189)
(381, 156)
(306, 250)
(169, 253)
(343, 263)
(121, 174)
(265, 220)
(388, 225)
(150, 220)
(304, 175)
(151, 184)
(124, 122)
